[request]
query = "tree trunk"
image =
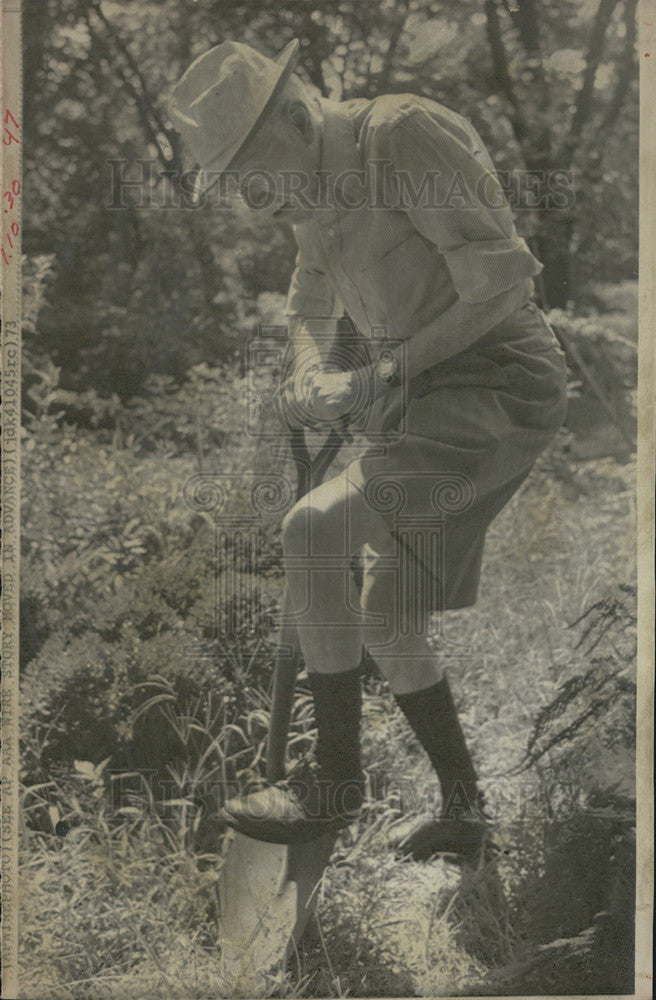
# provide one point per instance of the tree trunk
(552, 247)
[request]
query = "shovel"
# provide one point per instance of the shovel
(267, 891)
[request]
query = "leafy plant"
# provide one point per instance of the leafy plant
(599, 694)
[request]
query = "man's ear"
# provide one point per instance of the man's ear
(301, 120)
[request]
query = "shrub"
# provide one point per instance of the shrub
(602, 357)
(121, 583)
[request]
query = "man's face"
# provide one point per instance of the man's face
(277, 168)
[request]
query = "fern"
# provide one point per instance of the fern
(601, 691)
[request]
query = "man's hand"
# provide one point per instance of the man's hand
(318, 396)
(330, 395)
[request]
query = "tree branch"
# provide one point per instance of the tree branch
(626, 73)
(314, 52)
(503, 80)
(151, 118)
(211, 279)
(388, 61)
(525, 17)
(154, 127)
(585, 100)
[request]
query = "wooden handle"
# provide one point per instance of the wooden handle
(284, 684)
(288, 658)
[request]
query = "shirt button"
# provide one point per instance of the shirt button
(331, 230)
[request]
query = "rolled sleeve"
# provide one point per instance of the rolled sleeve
(463, 211)
(481, 270)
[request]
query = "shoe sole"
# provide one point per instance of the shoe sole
(296, 832)
(461, 842)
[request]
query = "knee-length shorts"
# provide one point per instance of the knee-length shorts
(445, 458)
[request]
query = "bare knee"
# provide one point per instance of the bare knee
(296, 528)
(310, 530)
(410, 673)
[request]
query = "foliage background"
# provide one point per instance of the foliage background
(135, 380)
(140, 290)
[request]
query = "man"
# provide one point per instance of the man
(401, 222)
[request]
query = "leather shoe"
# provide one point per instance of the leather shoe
(465, 840)
(292, 812)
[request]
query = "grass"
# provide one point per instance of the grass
(127, 908)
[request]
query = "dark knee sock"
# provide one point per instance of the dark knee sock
(338, 711)
(434, 720)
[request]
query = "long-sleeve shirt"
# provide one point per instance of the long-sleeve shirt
(414, 218)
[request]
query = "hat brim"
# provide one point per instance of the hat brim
(287, 60)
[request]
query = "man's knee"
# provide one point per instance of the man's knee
(415, 670)
(296, 527)
(308, 529)
(333, 518)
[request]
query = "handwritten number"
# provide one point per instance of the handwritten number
(15, 228)
(9, 115)
(9, 195)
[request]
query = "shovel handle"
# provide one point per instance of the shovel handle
(288, 659)
(284, 684)
(310, 472)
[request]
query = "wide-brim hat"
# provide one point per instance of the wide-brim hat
(220, 99)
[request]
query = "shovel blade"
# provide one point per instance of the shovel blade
(267, 893)
(257, 907)
(305, 866)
